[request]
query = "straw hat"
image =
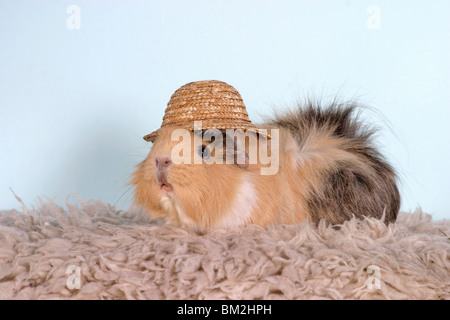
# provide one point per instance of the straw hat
(217, 104)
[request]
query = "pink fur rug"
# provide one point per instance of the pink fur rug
(93, 251)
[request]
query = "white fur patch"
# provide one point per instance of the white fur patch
(186, 221)
(242, 208)
(239, 214)
(176, 215)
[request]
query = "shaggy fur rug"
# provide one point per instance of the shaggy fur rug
(93, 251)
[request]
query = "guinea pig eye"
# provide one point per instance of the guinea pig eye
(204, 152)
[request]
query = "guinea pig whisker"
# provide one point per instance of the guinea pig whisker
(128, 189)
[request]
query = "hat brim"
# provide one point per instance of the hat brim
(151, 137)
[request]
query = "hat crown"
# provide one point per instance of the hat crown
(212, 102)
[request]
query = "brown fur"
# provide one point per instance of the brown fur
(328, 169)
(344, 173)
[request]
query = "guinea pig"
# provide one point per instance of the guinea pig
(323, 165)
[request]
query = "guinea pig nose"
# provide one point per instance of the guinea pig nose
(162, 162)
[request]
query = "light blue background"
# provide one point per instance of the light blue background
(74, 104)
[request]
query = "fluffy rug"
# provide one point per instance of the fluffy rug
(93, 251)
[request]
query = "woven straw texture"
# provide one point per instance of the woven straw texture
(217, 104)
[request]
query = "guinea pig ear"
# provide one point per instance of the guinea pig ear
(240, 158)
(234, 151)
